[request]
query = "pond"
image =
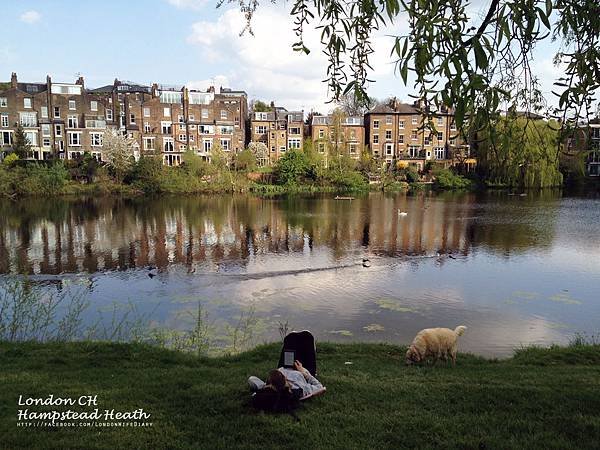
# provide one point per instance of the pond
(517, 270)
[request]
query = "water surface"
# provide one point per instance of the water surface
(516, 270)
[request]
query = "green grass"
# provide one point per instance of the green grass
(541, 398)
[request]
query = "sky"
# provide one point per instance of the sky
(191, 42)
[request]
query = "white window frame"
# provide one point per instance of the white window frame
(207, 144)
(376, 124)
(58, 130)
(27, 102)
(72, 105)
(226, 144)
(147, 127)
(148, 140)
(166, 111)
(166, 126)
(93, 105)
(96, 139)
(401, 124)
(109, 114)
(72, 141)
(3, 102)
(4, 120)
(223, 114)
(146, 111)
(170, 142)
(56, 112)
(44, 112)
(72, 122)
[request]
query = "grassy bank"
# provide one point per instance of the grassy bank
(537, 399)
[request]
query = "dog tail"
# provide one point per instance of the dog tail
(460, 330)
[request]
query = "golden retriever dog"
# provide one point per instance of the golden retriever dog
(434, 342)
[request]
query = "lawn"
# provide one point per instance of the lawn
(540, 398)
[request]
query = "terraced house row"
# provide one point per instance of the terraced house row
(67, 119)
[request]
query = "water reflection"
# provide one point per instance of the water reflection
(54, 236)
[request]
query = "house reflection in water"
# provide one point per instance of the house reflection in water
(53, 236)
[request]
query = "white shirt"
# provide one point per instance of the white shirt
(305, 381)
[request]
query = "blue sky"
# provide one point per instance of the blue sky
(184, 41)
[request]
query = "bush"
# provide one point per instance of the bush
(352, 181)
(10, 160)
(148, 174)
(445, 179)
(292, 167)
(411, 175)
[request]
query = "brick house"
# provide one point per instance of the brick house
(279, 129)
(337, 134)
(397, 133)
(67, 120)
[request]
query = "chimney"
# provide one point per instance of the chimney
(80, 81)
(154, 90)
(211, 89)
(272, 104)
(13, 80)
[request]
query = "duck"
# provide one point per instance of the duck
(366, 262)
(402, 213)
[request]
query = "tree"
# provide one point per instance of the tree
(260, 106)
(21, 145)
(117, 151)
(351, 106)
(260, 152)
(292, 167)
(245, 161)
(456, 58)
(521, 153)
(193, 164)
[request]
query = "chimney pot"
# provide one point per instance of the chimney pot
(13, 80)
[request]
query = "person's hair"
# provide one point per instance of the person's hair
(277, 380)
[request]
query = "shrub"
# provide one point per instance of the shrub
(148, 174)
(445, 179)
(292, 167)
(10, 160)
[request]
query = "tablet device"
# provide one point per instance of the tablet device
(289, 356)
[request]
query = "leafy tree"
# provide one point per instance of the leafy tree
(245, 161)
(21, 145)
(292, 167)
(260, 106)
(455, 57)
(148, 174)
(10, 160)
(194, 165)
(117, 151)
(521, 152)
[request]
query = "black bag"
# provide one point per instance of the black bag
(303, 343)
(269, 400)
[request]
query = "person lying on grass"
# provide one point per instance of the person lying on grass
(285, 379)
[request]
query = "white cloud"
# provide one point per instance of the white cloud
(217, 81)
(188, 4)
(265, 65)
(31, 17)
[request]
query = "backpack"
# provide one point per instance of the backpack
(269, 400)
